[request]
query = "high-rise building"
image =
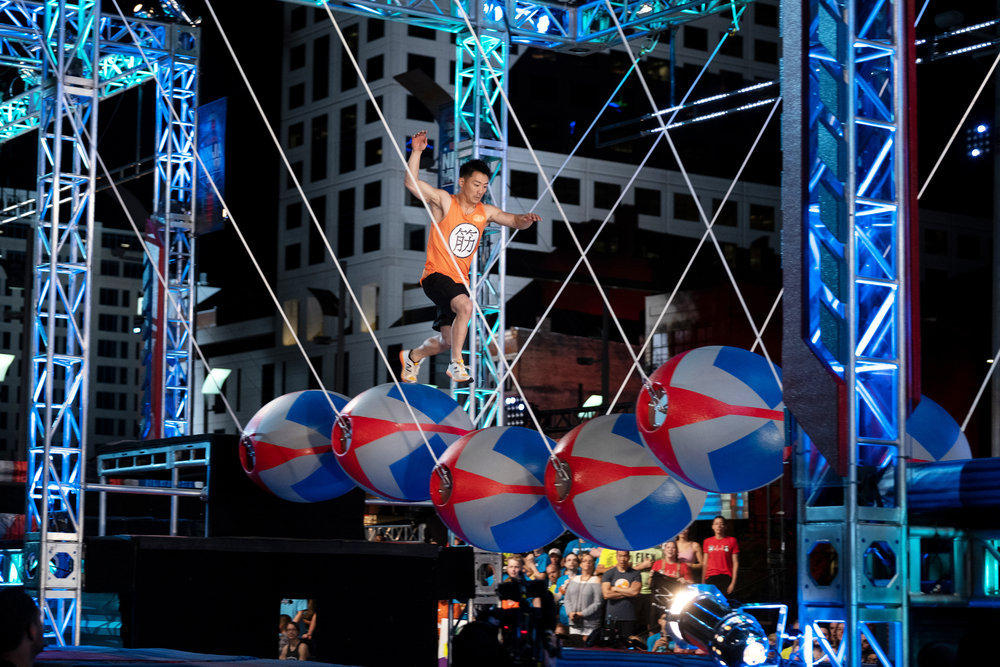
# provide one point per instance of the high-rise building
(353, 179)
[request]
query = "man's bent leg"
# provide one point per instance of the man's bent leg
(462, 305)
(434, 345)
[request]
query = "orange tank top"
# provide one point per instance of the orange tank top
(461, 238)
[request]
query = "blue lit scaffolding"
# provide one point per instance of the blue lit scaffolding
(846, 85)
(69, 57)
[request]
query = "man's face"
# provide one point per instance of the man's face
(552, 572)
(474, 186)
(514, 568)
(622, 557)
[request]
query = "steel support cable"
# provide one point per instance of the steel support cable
(392, 140)
(569, 157)
(541, 172)
(614, 207)
(250, 253)
(572, 272)
(958, 128)
(166, 289)
(312, 215)
(676, 109)
(694, 255)
(694, 195)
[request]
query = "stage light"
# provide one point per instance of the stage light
(975, 152)
(981, 128)
(144, 11)
(645, 9)
(700, 615)
(543, 24)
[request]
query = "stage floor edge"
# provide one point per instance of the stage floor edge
(100, 655)
(598, 656)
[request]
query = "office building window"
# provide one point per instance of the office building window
(321, 67)
(374, 29)
(523, 184)
(293, 215)
(296, 135)
(297, 170)
(108, 297)
(606, 194)
(733, 46)
(423, 63)
(422, 33)
(415, 110)
(345, 223)
(413, 237)
(375, 68)
(728, 216)
(297, 57)
(348, 77)
(293, 256)
(765, 15)
(370, 115)
(370, 238)
(319, 145)
(647, 201)
(765, 51)
(317, 249)
(567, 190)
(348, 138)
(762, 217)
(296, 95)
(684, 207)
(297, 18)
(373, 151)
(109, 267)
(372, 197)
(695, 38)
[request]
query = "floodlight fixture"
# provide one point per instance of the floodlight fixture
(699, 614)
(981, 128)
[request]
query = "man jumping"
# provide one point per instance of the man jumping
(461, 219)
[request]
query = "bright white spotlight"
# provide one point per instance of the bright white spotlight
(701, 615)
(543, 24)
(975, 152)
(981, 128)
(497, 13)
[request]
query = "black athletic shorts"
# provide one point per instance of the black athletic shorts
(441, 289)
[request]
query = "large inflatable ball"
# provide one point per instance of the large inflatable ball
(607, 487)
(714, 417)
(933, 435)
(488, 490)
(285, 447)
(381, 448)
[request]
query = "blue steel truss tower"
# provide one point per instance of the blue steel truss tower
(167, 345)
(848, 197)
(57, 429)
(480, 132)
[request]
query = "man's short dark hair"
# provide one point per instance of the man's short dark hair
(473, 166)
(17, 613)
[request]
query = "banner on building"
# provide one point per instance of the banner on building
(209, 213)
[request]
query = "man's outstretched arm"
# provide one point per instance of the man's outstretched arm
(520, 221)
(413, 183)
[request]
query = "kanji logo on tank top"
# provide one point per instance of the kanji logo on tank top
(463, 239)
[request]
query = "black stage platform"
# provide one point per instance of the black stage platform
(376, 603)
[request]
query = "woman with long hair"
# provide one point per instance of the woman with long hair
(583, 599)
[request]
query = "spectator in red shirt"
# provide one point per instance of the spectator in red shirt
(722, 562)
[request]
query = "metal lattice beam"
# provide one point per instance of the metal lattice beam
(57, 430)
(847, 83)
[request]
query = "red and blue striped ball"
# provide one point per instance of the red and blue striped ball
(933, 435)
(488, 489)
(380, 447)
(285, 447)
(714, 418)
(607, 487)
